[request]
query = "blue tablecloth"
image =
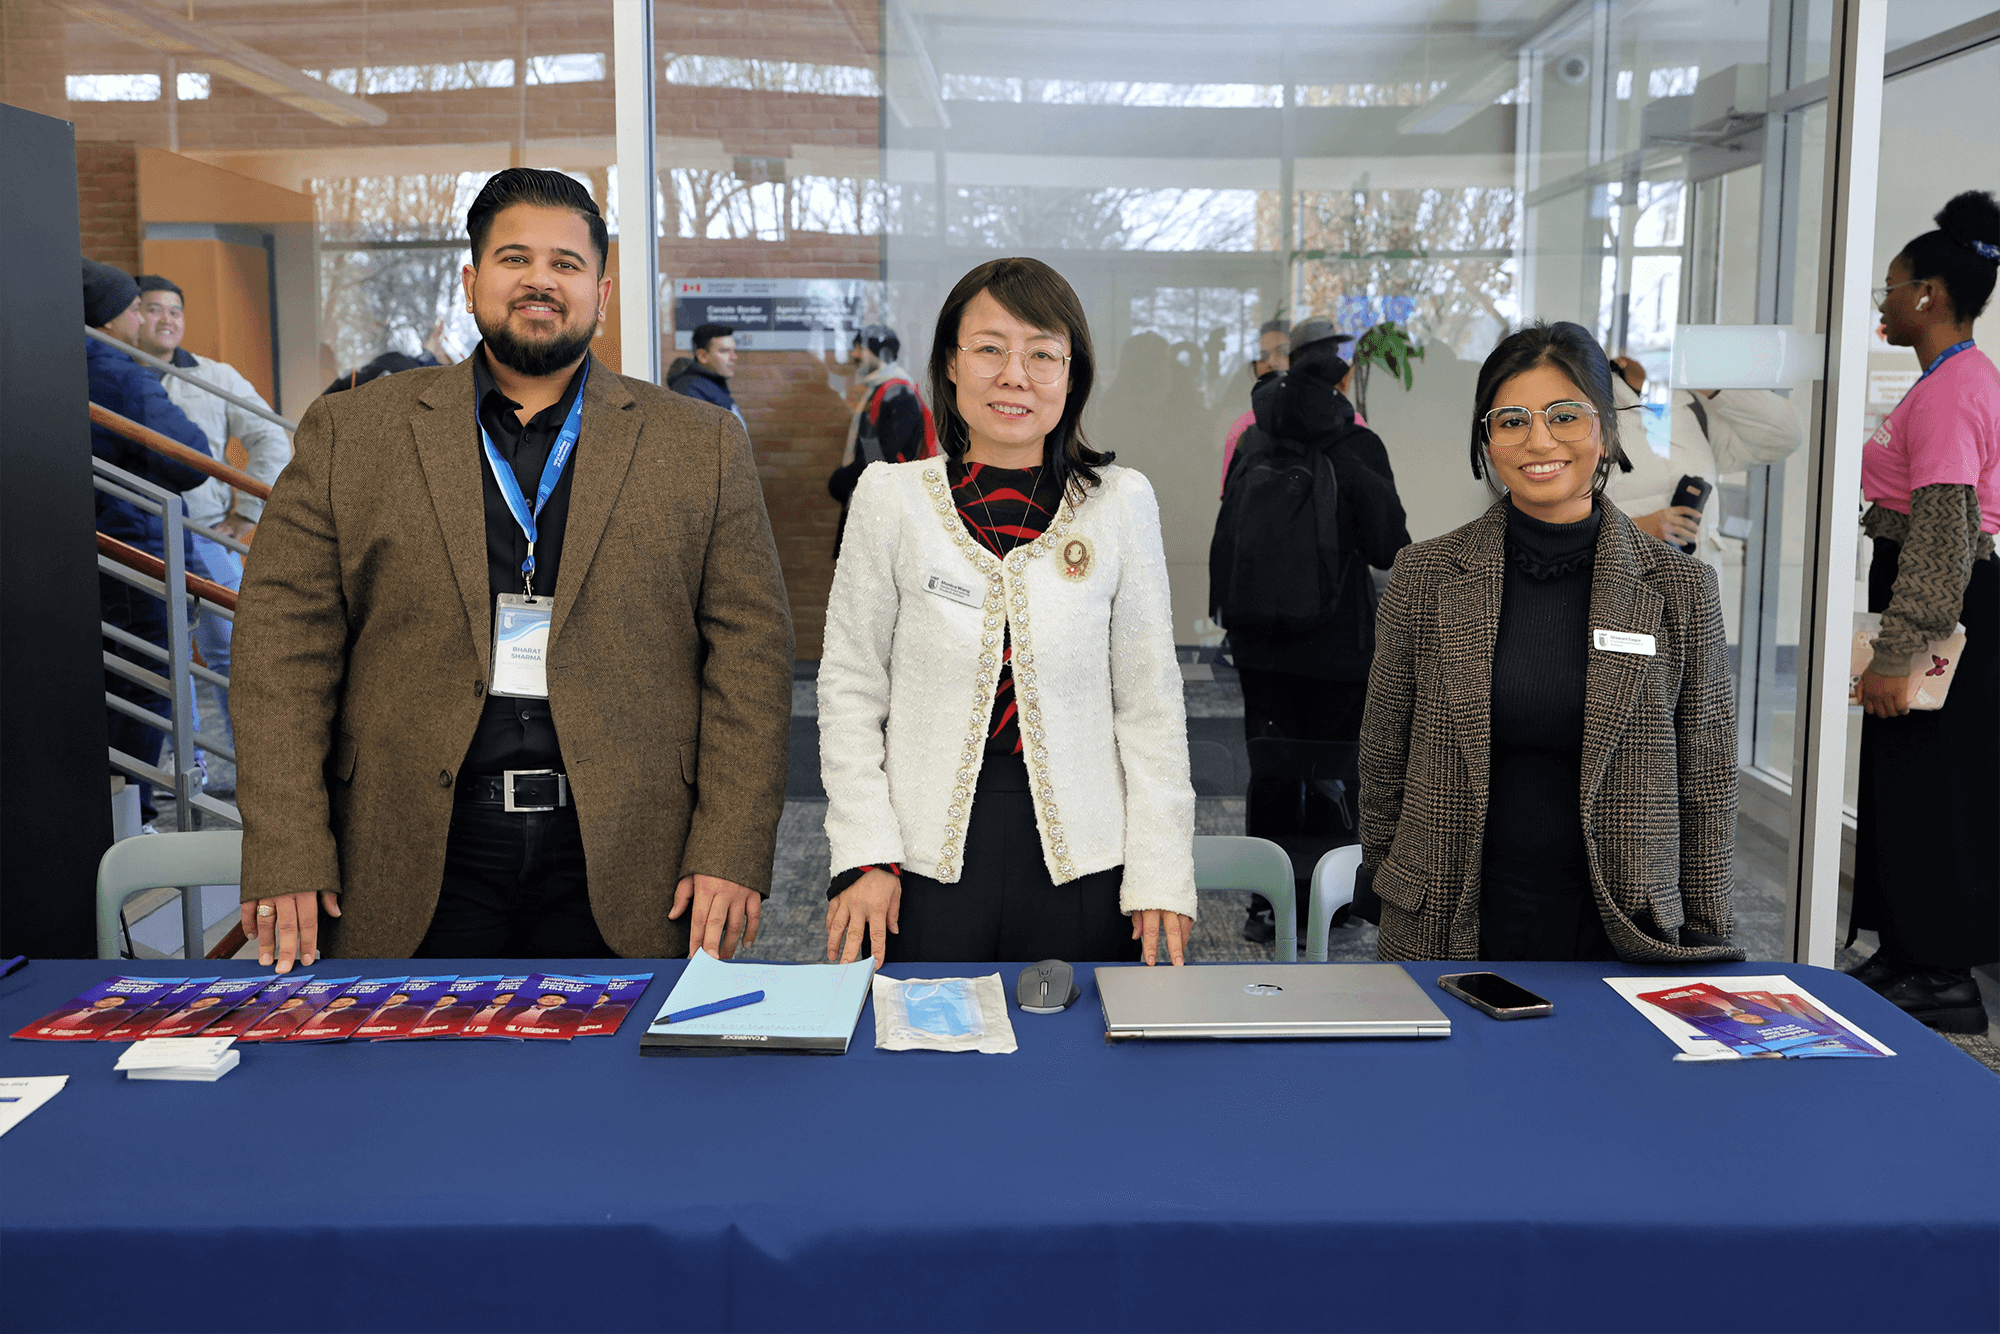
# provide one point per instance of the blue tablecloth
(1559, 1173)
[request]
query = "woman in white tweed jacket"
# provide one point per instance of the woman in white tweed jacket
(1002, 732)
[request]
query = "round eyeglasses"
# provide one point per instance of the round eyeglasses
(1881, 294)
(1568, 423)
(989, 360)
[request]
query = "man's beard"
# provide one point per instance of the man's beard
(538, 358)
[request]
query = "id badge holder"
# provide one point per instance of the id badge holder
(520, 645)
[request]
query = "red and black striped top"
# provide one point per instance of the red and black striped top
(1002, 508)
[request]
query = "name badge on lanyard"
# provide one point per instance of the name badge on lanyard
(521, 622)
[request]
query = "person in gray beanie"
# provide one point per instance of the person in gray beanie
(119, 382)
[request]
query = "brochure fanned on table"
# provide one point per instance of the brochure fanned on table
(557, 1003)
(1733, 1018)
(621, 993)
(112, 1004)
(255, 1010)
(159, 1007)
(807, 1007)
(296, 1009)
(456, 1005)
(404, 1008)
(505, 1001)
(211, 1003)
(347, 1011)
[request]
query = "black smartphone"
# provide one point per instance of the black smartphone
(1496, 995)
(1692, 492)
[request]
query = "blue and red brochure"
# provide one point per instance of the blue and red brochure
(114, 1003)
(296, 1008)
(209, 1004)
(1720, 1018)
(621, 993)
(158, 1008)
(557, 1003)
(347, 1011)
(255, 1010)
(505, 1002)
(305, 1008)
(404, 1008)
(456, 1005)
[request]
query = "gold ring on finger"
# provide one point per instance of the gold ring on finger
(266, 910)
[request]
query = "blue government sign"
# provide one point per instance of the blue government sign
(773, 314)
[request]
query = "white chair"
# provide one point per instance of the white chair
(1332, 890)
(164, 861)
(1229, 861)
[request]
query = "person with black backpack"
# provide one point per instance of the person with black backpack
(892, 425)
(1309, 506)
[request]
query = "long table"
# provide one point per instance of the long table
(1559, 1173)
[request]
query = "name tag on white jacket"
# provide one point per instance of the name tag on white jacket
(952, 590)
(1619, 641)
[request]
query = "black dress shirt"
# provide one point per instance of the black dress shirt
(1535, 898)
(519, 733)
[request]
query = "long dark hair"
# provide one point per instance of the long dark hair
(1950, 255)
(1571, 349)
(1036, 295)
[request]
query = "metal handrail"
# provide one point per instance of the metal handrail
(182, 372)
(148, 564)
(175, 450)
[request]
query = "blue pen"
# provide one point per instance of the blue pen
(13, 965)
(713, 1007)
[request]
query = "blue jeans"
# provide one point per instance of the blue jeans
(211, 632)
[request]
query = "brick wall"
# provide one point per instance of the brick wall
(797, 420)
(107, 196)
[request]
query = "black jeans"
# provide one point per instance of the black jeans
(514, 888)
(1300, 708)
(1005, 908)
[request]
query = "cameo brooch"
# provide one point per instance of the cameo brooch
(1074, 558)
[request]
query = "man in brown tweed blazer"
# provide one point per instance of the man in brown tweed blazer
(384, 775)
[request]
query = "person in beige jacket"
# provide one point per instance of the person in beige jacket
(438, 789)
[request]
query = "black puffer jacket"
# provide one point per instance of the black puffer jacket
(1305, 412)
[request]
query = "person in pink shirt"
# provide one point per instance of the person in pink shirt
(1927, 851)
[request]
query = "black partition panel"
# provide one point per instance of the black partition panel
(55, 809)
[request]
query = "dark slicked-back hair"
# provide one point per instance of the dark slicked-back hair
(1569, 348)
(543, 189)
(1951, 254)
(153, 282)
(1041, 298)
(704, 334)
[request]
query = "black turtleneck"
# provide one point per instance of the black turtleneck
(1535, 898)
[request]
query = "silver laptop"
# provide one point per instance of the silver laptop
(1261, 1000)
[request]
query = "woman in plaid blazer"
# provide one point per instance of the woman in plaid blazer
(1548, 755)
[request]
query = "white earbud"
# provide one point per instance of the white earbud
(1923, 302)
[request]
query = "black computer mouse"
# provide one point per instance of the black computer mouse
(1046, 987)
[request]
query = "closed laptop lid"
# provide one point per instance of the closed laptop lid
(1265, 1000)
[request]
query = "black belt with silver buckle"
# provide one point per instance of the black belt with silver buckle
(519, 789)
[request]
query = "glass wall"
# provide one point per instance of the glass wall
(1454, 168)
(303, 171)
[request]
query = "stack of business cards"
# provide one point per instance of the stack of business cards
(200, 1060)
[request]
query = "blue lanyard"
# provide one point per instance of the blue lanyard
(1944, 356)
(552, 471)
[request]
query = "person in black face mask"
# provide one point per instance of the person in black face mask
(1309, 505)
